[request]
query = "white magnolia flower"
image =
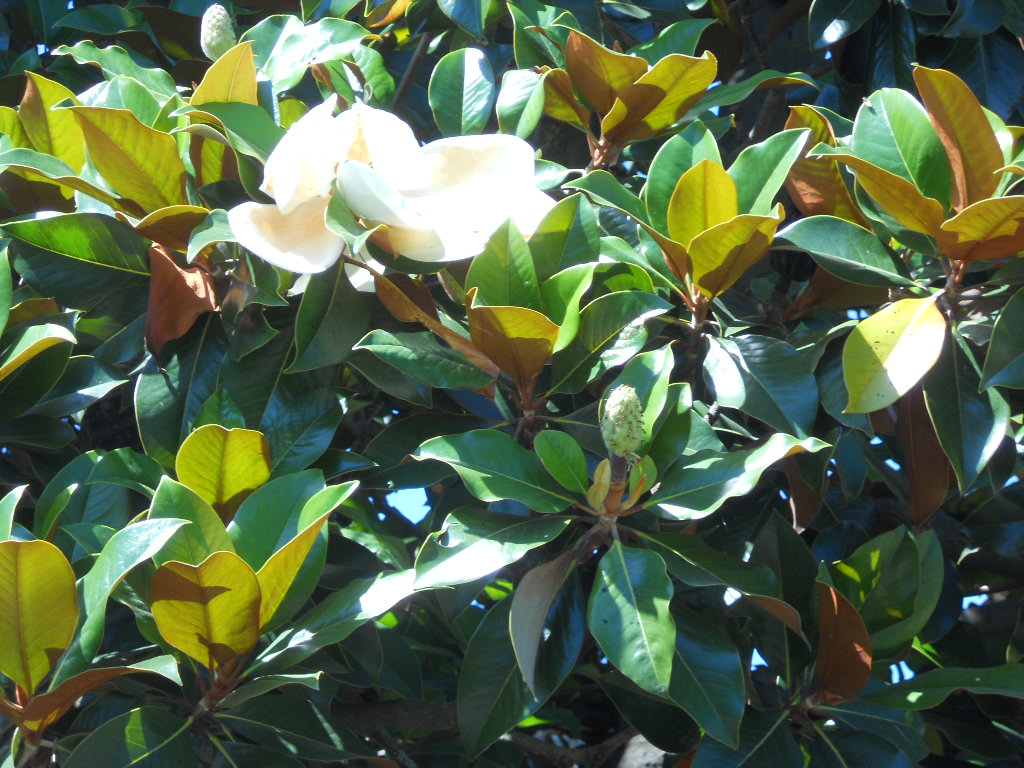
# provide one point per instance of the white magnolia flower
(440, 202)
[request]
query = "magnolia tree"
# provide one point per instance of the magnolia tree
(717, 418)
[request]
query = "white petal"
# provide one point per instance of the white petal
(480, 161)
(528, 208)
(369, 195)
(298, 242)
(302, 164)
(381, 140)
(362, 279)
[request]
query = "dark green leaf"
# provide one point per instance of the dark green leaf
(505, 274)
(461, 90)
(331, 319)
(761, 169)
(148, 736)
(695, 562)
(765, 740)
(1004, 363)
(291, 725)
(929, 689)
(422, 357)
(829, 21)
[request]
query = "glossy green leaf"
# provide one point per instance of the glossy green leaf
(421, 357)
(844, 749)
(829, 21)
(520, 102)
(764, 739)
(707, 676)
(7, 506)
(846, 250)
(567, 237)
(563, 458)
(90, 237)
(707, 478)
(332, 317)
(38, 610)
(291, 725)
(23, 344)
(889, 352)
(628, 615)
(561, 295)
(760, 170)
(531, 604)
(697, 563)
(604, 188)
(85, 381)
(1004, 362)
(205, 533)
(473, 543)
(35, 165)
(929, 689)
(505, 273)
(765, 378)
(115, 61)
(149, 735)
(468, 14)
(675, 157)
(970, 424)
(461, 91)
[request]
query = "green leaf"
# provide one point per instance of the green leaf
(249, 129)
(1004, 362)
(468, 14)
(695, 562)
(829, 21)
(7, 506)
(708, 676)
(905, 729)
(22, 344)
(563, 458)
(332, 318)
(520, 103)
(727, 95)
(85, 380)
(929, 689)
(148, 736)
(611, 330)
(422, 357)
(126, 549)
(461, 90)
(765, 739)
(473, 543)
(505, 274)
(846, 250)
(214, 229)
(892, 131)
(5, 286)
(116, 61)
(567, 237)
(680, 37)
(761, 169)
(970, 424)
(889, 352)
(494, 468)
(604, 188)
(628, 615)
(205, 533)
(765, 378)
(845, 749)
(676, 156)
(707, 478)
(90, 237)
(32, 165)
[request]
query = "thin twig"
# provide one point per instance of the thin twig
(410, 71)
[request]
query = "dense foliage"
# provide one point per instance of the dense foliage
(698, 323)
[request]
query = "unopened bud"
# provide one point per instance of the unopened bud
(622, 423)
(217, 35)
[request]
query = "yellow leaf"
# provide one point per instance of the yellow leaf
(598, 73)
(210, 611)
(386, 12)
(278, 573)
(988, 229)
(232, 77)
(704, 197)
(966, 135)
(140, 163)
(52, 131)
(171, 226)
(29, 342)
(223, 465)
(38, 610)
(899, 197)
(10, 125)
(519, 340)
(659, 98)
(889, 352)
(560, 101)
(721, 255)
(814, 183)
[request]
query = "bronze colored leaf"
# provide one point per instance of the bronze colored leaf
(844, 648)
(519, 340)
(559, 100)
(925, 463)
(988, 229)
(176, 298)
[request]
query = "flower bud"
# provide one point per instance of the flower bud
(217, 35)
(622, 423)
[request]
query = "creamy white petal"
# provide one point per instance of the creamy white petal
(381, 140)
(298, 242)
(362, 279)
(369, 195)
(302, 164)
(528, 208)
(493, 159)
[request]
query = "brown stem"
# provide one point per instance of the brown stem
(563, 757)
(410, 71)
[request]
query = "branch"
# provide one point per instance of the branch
(564, 757)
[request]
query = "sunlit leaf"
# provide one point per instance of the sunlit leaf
(704, 197)
(223, 466)
(519, 340)
(232, 77)
(987, 229)
(723, 253)
(598, 73)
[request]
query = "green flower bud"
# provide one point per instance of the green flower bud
(622, 423)
(217, 35)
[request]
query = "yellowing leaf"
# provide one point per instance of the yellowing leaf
(559, 100)
(43, 711)
(722, 254)
(598, 73)
(387, 12)
(232, 77)
(704, 197)
(966, 135)
(659, 98)
(210, 611)
(899, 197)
(519, 340)
(38, 610)
(52, 131)
(988, 229)
(10, 125)
(223, 466)
(140, 163)
(173, 225)
(889, 352)
(278, 573)
(30, 342)
(814, 183)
